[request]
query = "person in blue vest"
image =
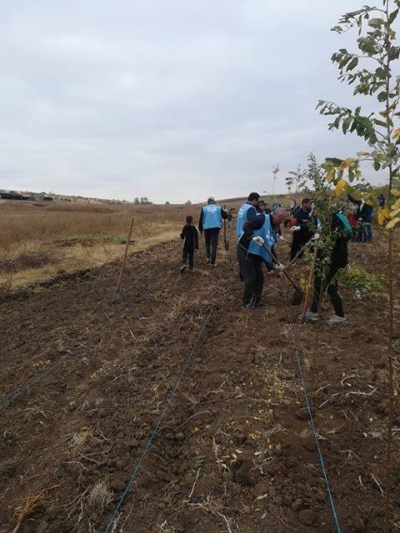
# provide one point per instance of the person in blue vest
(251, 256)
(211, 216)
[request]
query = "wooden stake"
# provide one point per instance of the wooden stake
(117, 291)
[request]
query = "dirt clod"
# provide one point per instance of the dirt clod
(297, 505)
(307, 517)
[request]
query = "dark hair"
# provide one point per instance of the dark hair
(305, 201)
(189, 219)
(253, 196)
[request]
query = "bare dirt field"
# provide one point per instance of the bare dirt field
(234, 451)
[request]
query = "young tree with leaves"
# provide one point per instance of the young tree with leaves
(371, 71)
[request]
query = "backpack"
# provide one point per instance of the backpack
(345, 227)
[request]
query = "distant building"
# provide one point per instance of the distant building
(11, 195)
(16, 195)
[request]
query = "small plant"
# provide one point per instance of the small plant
(359, 278)
(200, 460)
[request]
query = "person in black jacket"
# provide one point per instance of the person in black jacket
(302, 231)
(328, 281)
(191, 243)
(365, 217)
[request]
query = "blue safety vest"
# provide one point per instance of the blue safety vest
(266, 232)
(242, 218)
(212, 217)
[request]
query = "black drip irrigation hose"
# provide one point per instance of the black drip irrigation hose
(114, 518)
(309, 410)
(68, 355)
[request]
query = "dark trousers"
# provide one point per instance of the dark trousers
(270, 266)
(251, 273)
(364, 233)
(188, 254)
(297, 244)
(330, 283)
(211, 238)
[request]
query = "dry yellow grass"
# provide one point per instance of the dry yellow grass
(75, 236)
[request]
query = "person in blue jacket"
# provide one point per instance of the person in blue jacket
(211, 216)
(251, 256)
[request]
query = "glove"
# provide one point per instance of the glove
(258, 240)
(279, 267)
(295, 228)
(281, 238)
(316, 237)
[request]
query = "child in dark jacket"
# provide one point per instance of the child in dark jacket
(191, 243)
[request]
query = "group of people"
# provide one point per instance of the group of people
(210, 222)
(258, 229)
(361, 219)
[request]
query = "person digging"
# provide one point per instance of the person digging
(251, 254)
(326, 275)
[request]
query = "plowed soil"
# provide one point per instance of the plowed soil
(234, 451)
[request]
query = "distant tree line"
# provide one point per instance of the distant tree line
(143, 200)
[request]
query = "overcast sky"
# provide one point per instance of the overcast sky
(174, 100)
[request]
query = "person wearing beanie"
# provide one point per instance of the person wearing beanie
(211, 216)
(190, 236)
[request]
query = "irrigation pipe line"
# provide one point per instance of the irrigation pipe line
(68, 355)
(308, 405)
(167, 405)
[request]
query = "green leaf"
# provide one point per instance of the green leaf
(381, 73)
(377, 165)
(393, 16)
(353, 63)
(394, 52)
(380, 123)
(334, 161)
(347, 124)
(376, 22)
(382, 96)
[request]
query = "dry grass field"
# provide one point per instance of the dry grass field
(38, 241)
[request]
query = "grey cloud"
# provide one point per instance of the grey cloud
(171, 100)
